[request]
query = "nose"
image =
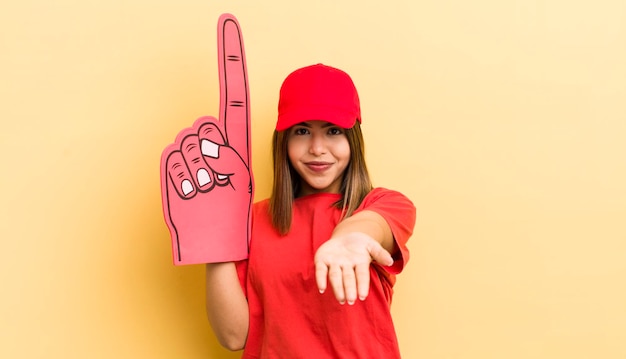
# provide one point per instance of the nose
(318, 145)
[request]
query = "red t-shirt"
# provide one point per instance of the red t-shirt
(289, 318)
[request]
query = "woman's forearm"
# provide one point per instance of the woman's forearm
(370, 223)
(226, 305)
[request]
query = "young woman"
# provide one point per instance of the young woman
(325, 247)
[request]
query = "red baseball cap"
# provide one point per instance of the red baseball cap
(318, 92)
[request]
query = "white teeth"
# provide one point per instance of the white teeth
(187, 187)
(210, 149)
(203, 177)
(222, 177)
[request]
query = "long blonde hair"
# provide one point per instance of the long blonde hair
(355, 185)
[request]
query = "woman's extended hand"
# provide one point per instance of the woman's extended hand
(345, 261)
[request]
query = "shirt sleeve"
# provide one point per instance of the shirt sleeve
(399, 212)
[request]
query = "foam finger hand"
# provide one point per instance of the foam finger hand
(176, 175)
(227, 164)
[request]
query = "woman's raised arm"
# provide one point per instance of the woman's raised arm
(226, 305)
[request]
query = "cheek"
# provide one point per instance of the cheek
(343, 150)
(294, 150)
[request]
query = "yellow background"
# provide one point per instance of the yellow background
(504, 121)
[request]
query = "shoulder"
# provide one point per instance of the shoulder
(383, 196)
(261, 207)
(397, 209)
(399, 213)
(265, 203)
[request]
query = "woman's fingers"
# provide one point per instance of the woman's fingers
(349, 285)
(336, 278)
(347, 282)
(362, 280)
(321, 273)
(381, 256)
(343, 263)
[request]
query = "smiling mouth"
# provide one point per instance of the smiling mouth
(318, 166)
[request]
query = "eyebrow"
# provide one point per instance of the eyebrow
(325, 125)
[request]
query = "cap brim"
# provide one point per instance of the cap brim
(292, 118)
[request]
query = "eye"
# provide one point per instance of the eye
(335, 131)
(300, 131)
